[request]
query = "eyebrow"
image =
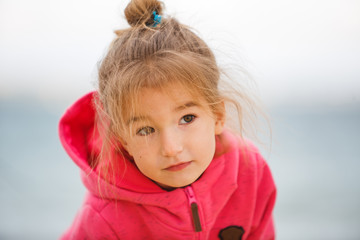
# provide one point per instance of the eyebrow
(136, 119)
(186, 105)
(177, 109)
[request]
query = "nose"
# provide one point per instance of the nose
(171, 144)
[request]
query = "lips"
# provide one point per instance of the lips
(178, 167)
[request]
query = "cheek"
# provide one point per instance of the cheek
(204, 139)
(138, 156)
(135, 148)
(139, 161)
(142, 155)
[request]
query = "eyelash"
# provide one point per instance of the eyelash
(149, 130)
(191, 120)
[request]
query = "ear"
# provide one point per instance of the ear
(220, 117)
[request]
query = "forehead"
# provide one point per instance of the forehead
(172, 97)
(174, 92)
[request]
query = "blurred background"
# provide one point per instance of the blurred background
(304, 56)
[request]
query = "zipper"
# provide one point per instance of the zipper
(194, 208)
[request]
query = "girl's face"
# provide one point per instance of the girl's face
(172, 139)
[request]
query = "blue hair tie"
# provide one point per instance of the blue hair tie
(157, 19)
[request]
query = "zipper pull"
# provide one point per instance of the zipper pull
(194, 208)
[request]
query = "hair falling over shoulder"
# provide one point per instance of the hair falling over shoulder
(154, 55)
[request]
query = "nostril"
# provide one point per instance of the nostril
(171, 151)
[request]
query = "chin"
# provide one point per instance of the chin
(182, 183)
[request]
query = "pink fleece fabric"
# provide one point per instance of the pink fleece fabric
(235, 195)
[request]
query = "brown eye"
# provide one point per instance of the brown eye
(187, 119)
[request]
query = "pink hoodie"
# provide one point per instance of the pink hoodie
(233, 199)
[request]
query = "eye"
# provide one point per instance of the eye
(187, 119)
(145, 131)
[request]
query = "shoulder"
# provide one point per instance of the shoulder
(231, 143)
(90, 222)
(244, 153)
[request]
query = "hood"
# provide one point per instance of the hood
(76, 131)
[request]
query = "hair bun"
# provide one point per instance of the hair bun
(139, 12)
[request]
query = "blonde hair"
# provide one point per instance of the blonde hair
(146, 56)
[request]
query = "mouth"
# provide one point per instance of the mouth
(178, 167)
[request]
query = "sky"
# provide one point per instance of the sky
(297, 52)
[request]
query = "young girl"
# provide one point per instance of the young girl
(151, 144)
